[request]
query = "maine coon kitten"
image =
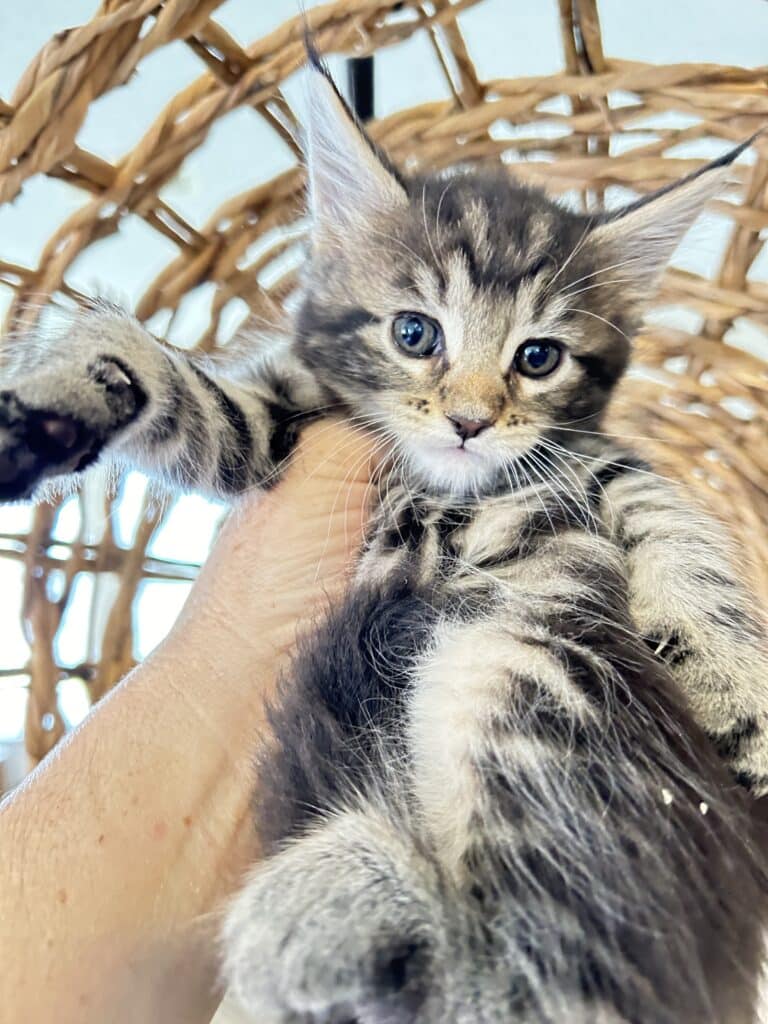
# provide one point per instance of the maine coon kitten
(490, 796)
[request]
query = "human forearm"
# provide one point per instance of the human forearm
(107, 883)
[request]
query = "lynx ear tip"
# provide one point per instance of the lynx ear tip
(314, 57)
(760, 133)
(728, 158)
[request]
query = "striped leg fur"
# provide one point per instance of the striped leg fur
(108, 388)
(695, 612)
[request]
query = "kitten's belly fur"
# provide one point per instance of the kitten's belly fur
(529, 777)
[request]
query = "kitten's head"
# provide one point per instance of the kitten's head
(468, 317)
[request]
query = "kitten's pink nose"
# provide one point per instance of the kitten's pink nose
(468, 428)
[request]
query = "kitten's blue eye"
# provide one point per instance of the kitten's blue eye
(538, 358)
(416, 334)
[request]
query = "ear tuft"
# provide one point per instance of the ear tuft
(350, 179)
(646, 233)
(314, 57)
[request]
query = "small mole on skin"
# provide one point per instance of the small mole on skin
(61, 895)
(159, 830)
(187, 820)
(100, 840)
(84, 1000)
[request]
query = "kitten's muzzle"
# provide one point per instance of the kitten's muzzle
(466, 428)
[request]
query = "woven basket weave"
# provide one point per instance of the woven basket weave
(701, 409)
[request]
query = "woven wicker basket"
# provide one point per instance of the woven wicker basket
(700, 408)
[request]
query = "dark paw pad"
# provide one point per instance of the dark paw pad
(37, 443)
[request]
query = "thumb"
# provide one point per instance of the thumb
(317, 513)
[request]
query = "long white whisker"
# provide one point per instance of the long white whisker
(568, 293)
(560, 454)
(563, 455)
(571, 255)
(535, 468)
(426, 227)
(604, 270)
(602, 461)
(596, 316)
(406, 248)
(439, 207)
(622, 437)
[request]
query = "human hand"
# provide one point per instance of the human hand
(146, 808)
(281, 556)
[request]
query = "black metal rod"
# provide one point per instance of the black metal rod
(360, 86)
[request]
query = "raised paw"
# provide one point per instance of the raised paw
(54, 425)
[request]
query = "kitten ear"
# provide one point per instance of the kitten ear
(646, 232)
(350, 180)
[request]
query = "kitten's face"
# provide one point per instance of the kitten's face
(468, 319)
(466, 325)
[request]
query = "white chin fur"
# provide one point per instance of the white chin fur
(450, 468)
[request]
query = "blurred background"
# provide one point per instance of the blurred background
(505, 39)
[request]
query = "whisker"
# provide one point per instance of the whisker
(426, 227)
(602, 461)
(623, 437)
(560, 454)
(596, 316)
(406, 248)
(571, 255)
(568, 293)
(439, 207)
(604, 270)
(351, 473)
(534, 466)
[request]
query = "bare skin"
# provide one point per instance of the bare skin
(118, 851)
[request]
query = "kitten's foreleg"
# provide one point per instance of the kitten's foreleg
(692, 607)
(108, 387)
(340, 925)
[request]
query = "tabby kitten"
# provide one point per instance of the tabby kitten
(493, 793)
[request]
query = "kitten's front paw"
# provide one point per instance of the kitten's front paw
(53, 425)
(31, 442)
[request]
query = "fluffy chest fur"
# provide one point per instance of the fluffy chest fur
(455, 545)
